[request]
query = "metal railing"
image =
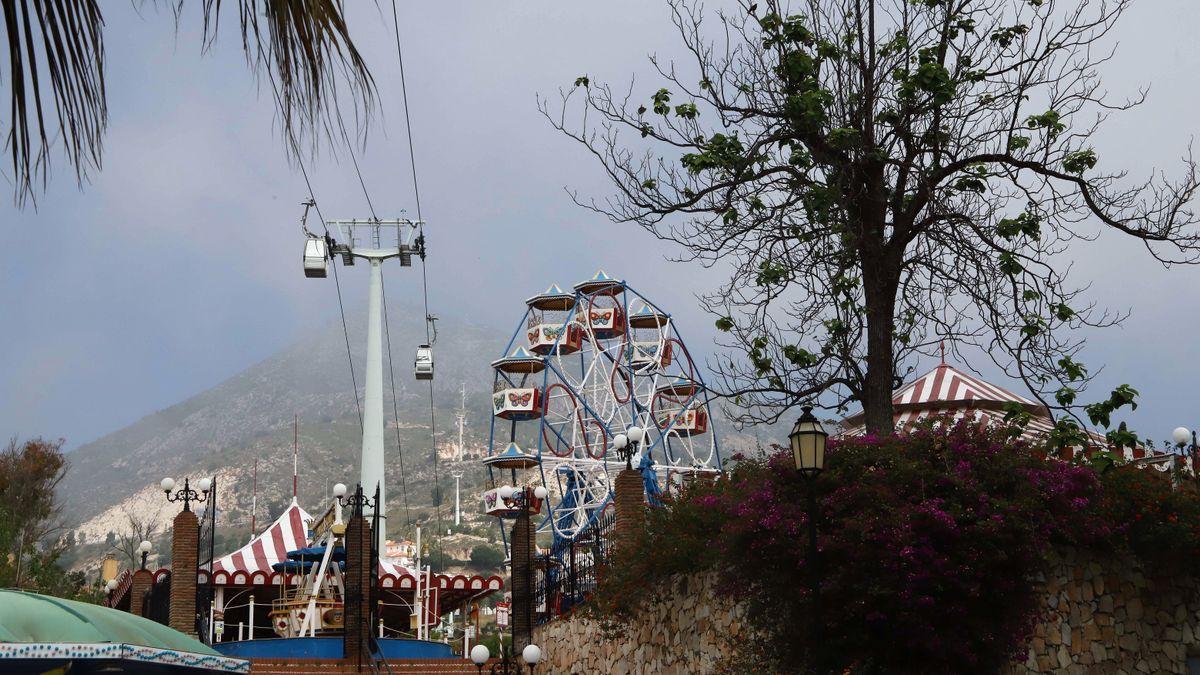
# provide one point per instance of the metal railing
(567, 574)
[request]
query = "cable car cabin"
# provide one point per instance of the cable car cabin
(423, 364)
(517, 403)
(544, 337)
(689, 422)
(316, 258)
(643, 355)
(607, 322)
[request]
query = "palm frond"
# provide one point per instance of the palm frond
(304, 47)
(59, 43)
(56, 53)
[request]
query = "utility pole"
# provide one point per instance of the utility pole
(457, 471)
(375, 241)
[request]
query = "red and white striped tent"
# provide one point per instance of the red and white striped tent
(251, 564)
(945, 390)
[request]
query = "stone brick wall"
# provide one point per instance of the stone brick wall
(522, 538)
(691, 629)
(1101, 616)
(356, 637)
(185, 557)
(142, 580)
(1112, 616)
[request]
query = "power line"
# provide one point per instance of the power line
(395, 408)
(412, 157)
(311, 195)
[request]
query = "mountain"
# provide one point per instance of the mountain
(111, 487)
(250, 416)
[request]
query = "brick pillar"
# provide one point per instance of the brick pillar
(142, 579)
(629, 500)
(523, 543)
(185, 557)
(356, 643)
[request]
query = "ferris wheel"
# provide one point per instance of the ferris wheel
(581, 368)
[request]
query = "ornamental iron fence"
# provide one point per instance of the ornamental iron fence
(568, 572)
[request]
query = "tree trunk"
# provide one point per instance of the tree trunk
(881, 279)
(880, 283)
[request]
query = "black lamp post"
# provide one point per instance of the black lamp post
(186, 494)
(808, 439)
(627, 444)
(144, 548)
(1185, 440)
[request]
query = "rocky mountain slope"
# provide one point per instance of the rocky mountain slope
(112, 483)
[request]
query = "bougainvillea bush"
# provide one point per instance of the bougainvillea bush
(930, 545)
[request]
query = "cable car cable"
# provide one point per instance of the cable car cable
(412, 157)
(311, 195)
(395, 408)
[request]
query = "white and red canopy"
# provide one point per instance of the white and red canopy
(251, 564)
(945, 390)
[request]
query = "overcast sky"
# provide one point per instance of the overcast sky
(179, 265)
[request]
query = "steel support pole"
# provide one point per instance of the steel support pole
(372, 429)
(814, 580)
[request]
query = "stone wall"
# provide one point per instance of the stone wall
(1112, 616)
(690, 628)
(1100, 616)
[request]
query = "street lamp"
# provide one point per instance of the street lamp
(808, 439)
(480, 656)
(1186, 442)
(144, 549)
(532, 654)
(626, 444)
(110, 586)
(186, 494)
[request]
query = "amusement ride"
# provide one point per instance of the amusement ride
(593, 379)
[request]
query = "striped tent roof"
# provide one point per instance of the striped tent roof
(945, 390)
(288, 533)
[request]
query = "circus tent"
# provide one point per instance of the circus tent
(946, 390)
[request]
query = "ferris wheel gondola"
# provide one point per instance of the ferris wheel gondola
(582, 368)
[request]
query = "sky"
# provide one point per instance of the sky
(178, 265)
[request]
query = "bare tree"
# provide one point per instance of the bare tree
(55, 74)
(139, 527)
(880, 176)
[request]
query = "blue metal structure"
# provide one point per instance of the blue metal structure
(594, 362)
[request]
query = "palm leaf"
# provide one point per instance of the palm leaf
(55, 56)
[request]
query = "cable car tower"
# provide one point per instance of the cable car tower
(457, 470)
(374, 240)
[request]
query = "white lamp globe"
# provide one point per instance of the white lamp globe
(635, 434)
(167, 484)
(620, 441)
(506, 491)
(339, 490)
(480, 655)
(532, 654)
(144, 547)
(204, 484)
(111, 585)
(540, 492)
(1181, 435)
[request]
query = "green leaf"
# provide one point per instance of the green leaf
(1018, 143)
(1078, 162)
(581, 81)
(686, 110)
(725, 324)
(661, 98)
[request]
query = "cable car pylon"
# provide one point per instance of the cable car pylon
(374, 240)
